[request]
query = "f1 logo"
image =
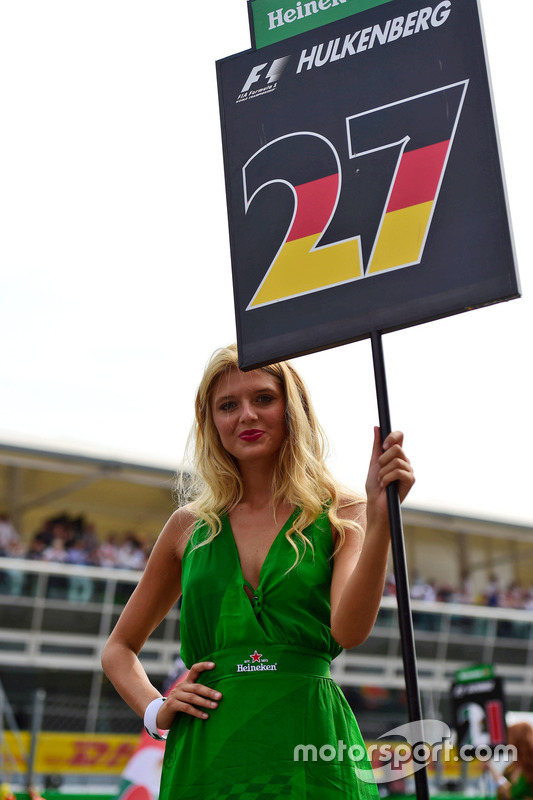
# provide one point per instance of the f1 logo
(273, 74)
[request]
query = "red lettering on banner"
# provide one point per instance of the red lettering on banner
(122, 754)
(88, 754)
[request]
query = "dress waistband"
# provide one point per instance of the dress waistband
(265, 660)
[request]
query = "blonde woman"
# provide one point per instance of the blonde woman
(279, 569)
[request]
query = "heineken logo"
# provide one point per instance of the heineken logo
(275, 20)
(284, 16)
(256, 663)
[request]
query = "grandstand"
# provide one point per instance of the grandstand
(471, 581)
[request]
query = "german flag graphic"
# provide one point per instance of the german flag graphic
(417, 133)
(406, 221)
(301, 265)
(423, 128)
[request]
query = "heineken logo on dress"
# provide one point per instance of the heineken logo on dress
(256, 663)
(274, 21)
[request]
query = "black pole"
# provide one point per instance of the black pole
(405, 619)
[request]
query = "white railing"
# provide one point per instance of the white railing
(54, 615)
(448, 636)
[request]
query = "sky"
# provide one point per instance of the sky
(115, 273)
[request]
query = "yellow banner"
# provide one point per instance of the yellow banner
(68, 753)
(108, 754)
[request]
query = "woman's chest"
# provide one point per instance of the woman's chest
(255, 536)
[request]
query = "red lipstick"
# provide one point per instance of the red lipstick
(250, 436)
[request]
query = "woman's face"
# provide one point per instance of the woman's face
(248, 410)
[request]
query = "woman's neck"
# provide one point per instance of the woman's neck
(257, 484)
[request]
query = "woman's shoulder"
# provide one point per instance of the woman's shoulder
(181, 526)
(351, 507)
(185, 516)
(348, 518)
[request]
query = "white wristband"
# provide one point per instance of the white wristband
(150, 717)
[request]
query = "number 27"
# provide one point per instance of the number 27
(417, 133)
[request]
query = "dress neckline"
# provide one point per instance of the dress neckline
(268, 557)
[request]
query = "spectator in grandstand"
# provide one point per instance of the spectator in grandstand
(36, 549)
(11, 547)
(466, 591)
(444, 593)
(528, 599)
(56, 551)
(80, 587)
(491, 594)
(108, 551)
(74, 529)
(131, 554)
(516, 783)
(277, 576)
(90, 542)
(45, 533)
(10, 541)
(76, 553)
(423, 590)
(514, 596)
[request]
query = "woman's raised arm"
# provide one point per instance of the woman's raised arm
(361, 563)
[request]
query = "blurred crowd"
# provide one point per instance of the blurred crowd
(492, 594)
(71, 540)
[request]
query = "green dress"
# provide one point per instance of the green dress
(521, 788)
(283, 727)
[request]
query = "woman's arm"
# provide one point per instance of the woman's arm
(361, 563)
(158, 590)
(502, 784)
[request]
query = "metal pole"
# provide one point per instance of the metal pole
(405, 619)
(36, 725)
(3, 777)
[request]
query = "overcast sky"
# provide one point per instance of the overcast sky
(115, 272)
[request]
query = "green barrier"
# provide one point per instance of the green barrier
(48, 795)
(64, 796)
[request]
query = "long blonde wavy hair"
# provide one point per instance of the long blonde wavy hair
(301, 477)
